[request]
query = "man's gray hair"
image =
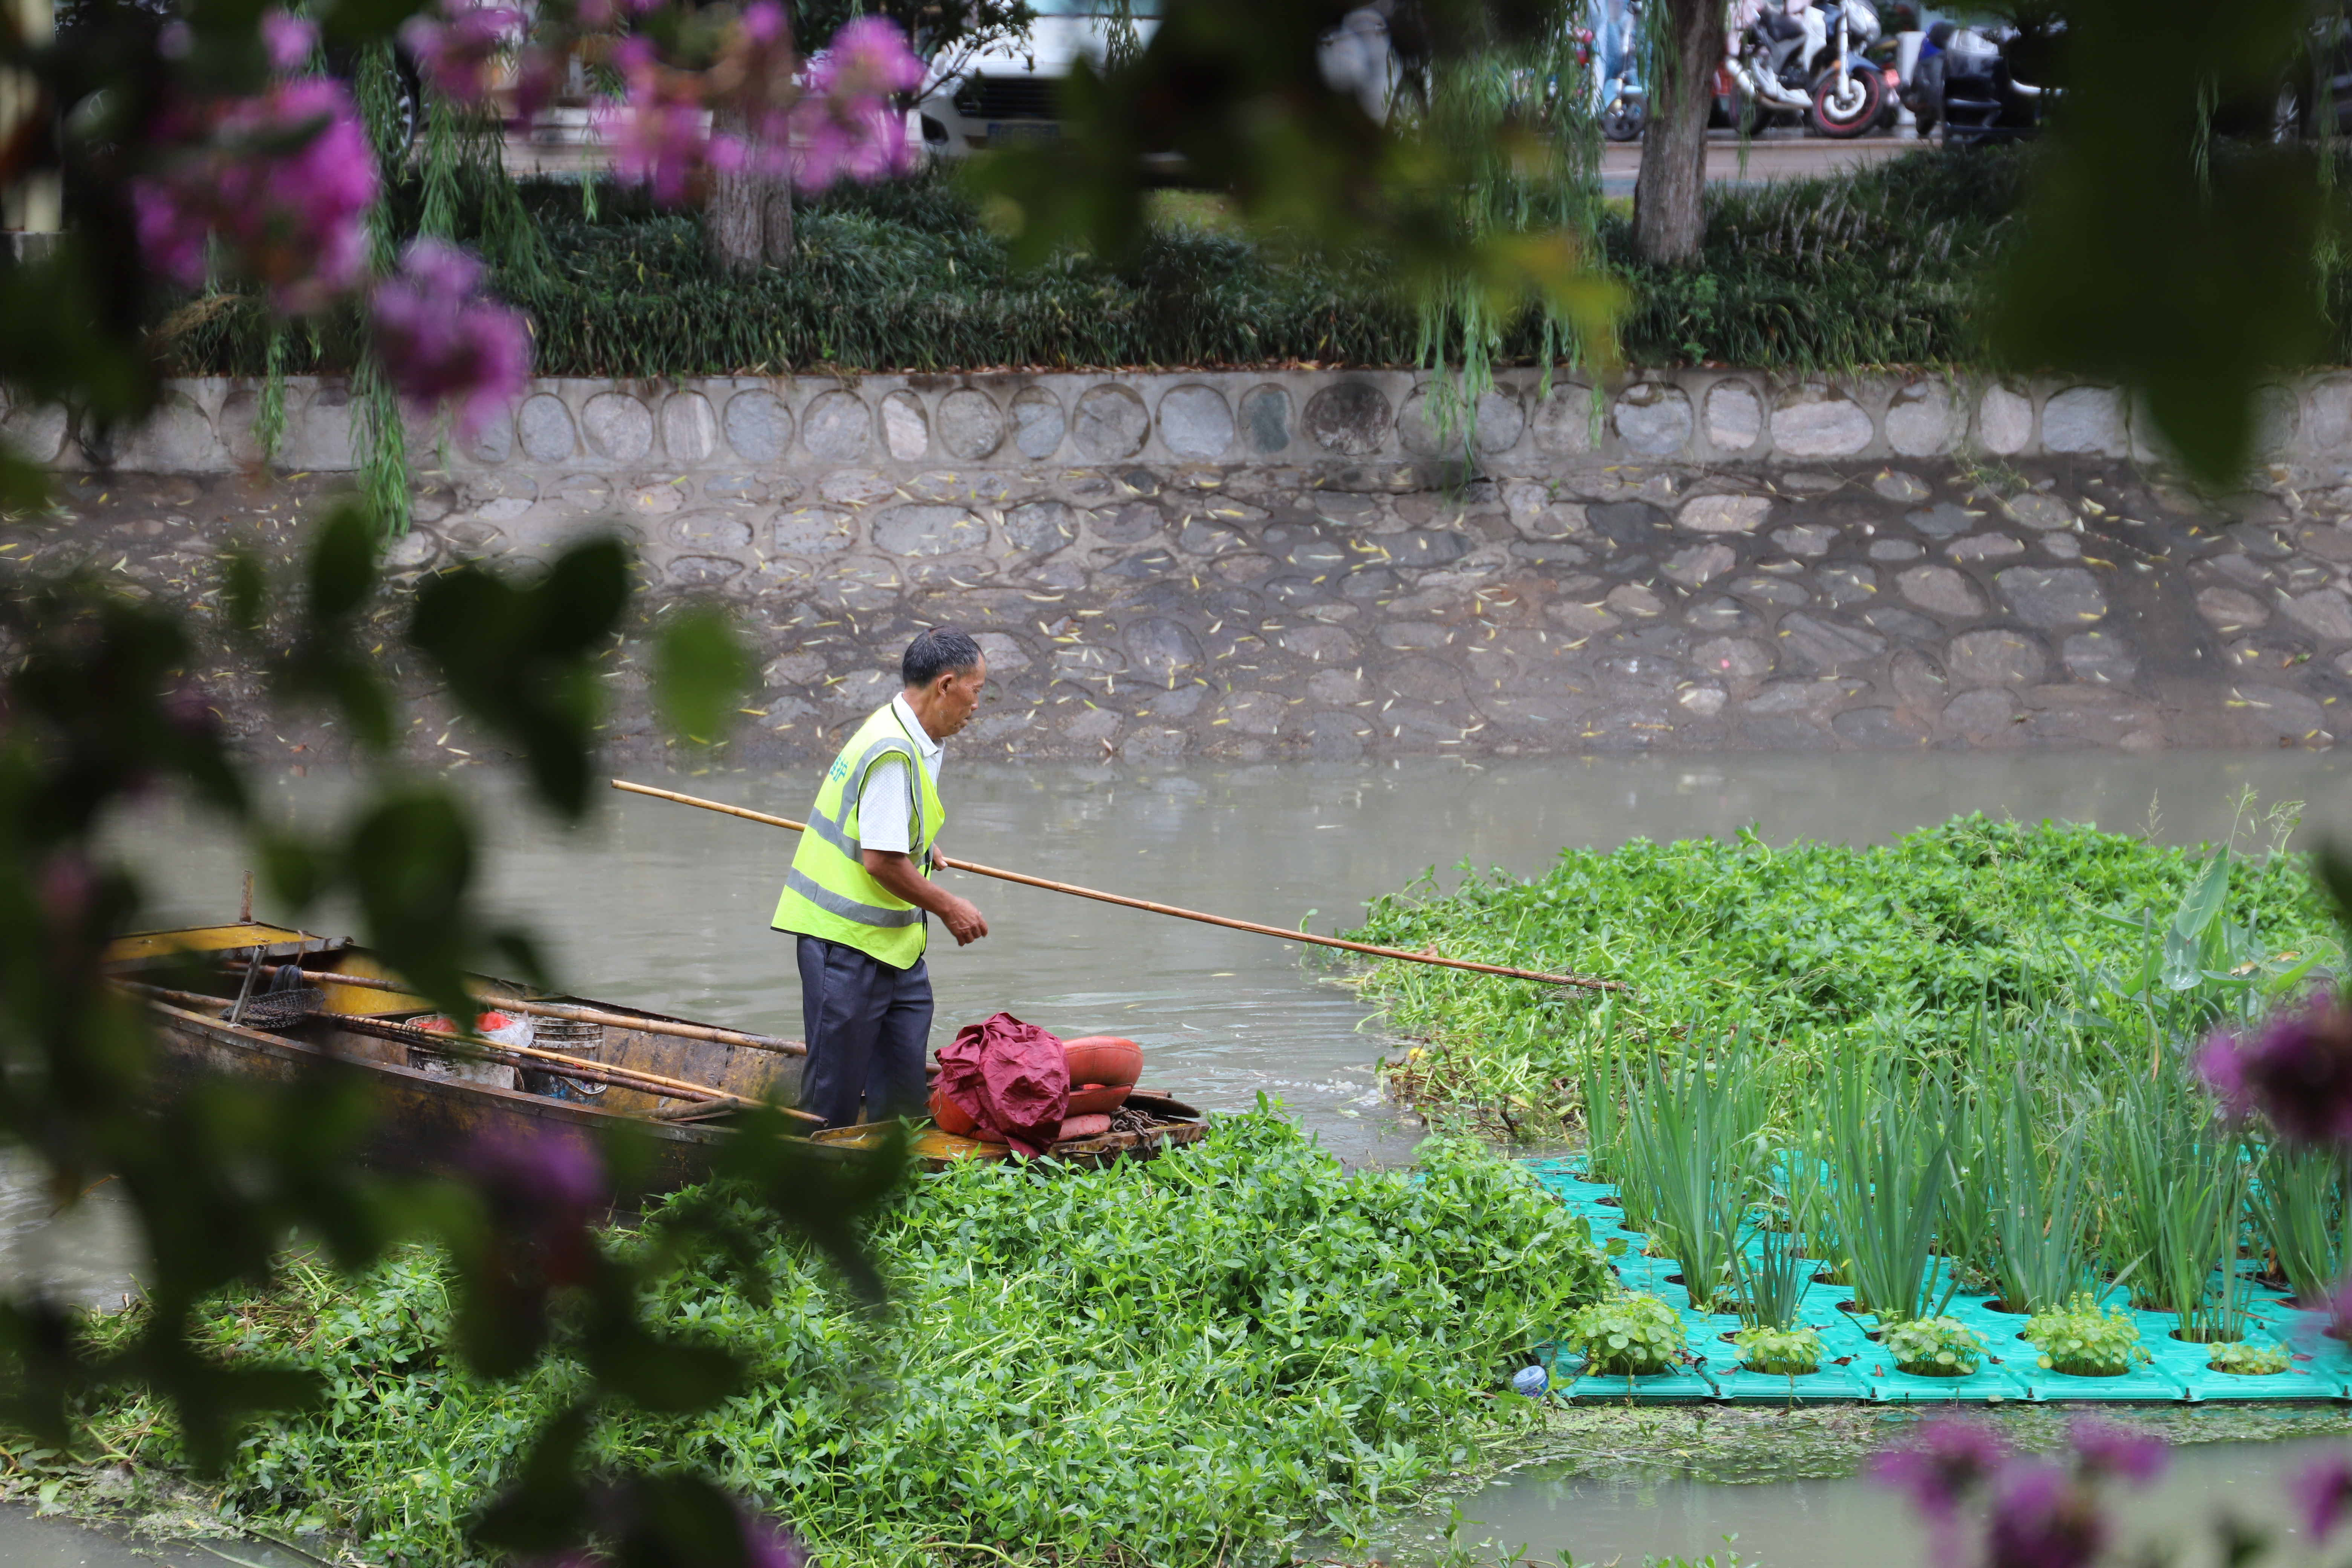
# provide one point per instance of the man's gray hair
(935, 652)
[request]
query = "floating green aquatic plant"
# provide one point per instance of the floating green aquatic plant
(1693, 1139)
(1964, 946)
(2299, 1211)
(1891, 1160)
(1627, 1336)
(2080, 1341)
(1155, 1362)
(1772, 1273)
(2244, 1360)
(1933, 1347)
(1790, 1352)
(2040, 1212)
(2180, 1176)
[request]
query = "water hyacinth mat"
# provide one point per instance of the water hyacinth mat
(1855, 1369)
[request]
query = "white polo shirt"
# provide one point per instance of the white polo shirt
(885, 809)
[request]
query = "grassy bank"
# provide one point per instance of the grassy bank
(1920, 947)
(1192, 1360)
(1883, 267)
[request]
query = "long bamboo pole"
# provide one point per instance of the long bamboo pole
(581, 1015)
(1149, 907)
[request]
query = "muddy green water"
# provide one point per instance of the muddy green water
(666, 906)
(1852, 1523)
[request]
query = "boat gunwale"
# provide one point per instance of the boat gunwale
(296, 1052)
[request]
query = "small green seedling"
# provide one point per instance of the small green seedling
(2244, 1360)
(1791, 1351)
(1933, 1347)
(1627, 1336)
(2081, 1342)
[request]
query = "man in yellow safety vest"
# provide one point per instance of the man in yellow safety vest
(860, 887)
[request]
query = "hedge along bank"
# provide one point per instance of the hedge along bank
(1191, 1359)
(1254, 565)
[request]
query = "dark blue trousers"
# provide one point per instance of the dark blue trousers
(868, 1026)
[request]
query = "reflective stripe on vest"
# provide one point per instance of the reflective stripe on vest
(828, 892)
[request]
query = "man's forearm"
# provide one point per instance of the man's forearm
(897, 875)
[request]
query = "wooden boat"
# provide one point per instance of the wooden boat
(590, 1064)
(1160, 1123)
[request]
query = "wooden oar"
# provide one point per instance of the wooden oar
(582, 1014)
(1150, 907)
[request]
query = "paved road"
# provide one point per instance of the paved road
(1773, 156)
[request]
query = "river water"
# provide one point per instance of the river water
(1856, 1523)
(662, 906)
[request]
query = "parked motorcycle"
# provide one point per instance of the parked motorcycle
(1972, 89)
(1813, 67)
(1621, 104)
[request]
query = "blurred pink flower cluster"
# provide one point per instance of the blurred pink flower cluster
(2296, 1069)
(441, 341)
(283, 180)
(839, 121)
(277, 186)
(456, 44)
(2041, 1514)
(849, 127)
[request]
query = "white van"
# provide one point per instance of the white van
(1011, 91)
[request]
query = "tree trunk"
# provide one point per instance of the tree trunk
(778, 228)
(748, 220)
(1669, 214)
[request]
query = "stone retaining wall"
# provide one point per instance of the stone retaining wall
(1353, 427)
(1253, 564)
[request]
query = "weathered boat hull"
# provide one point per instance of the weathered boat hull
(425, 1118)
(423, 1123)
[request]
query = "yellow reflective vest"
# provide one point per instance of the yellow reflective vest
(828, 892)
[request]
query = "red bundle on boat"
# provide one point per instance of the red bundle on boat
(1010, 1079)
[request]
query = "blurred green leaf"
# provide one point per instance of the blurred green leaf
(245, 589)
(2179, 262)
(410, 862)
(24, 484)
(349, 22)
(325, 661)
(701, 671)
(342, 563)
(520, 658)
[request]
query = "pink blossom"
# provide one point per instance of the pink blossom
(69, 891)
(2323, 1493)
(539, 76)
(868, 56)
(764, 23)
(191, 716)
(2042, 1519)
(663, 138)
(2105, 1448)
(847, 126)
(1946, 1460)
(766, 1544)
(458, 42)
(441, 341)
(284, 180)
(542, 1191)
(288, 40)
(2297, 1070)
